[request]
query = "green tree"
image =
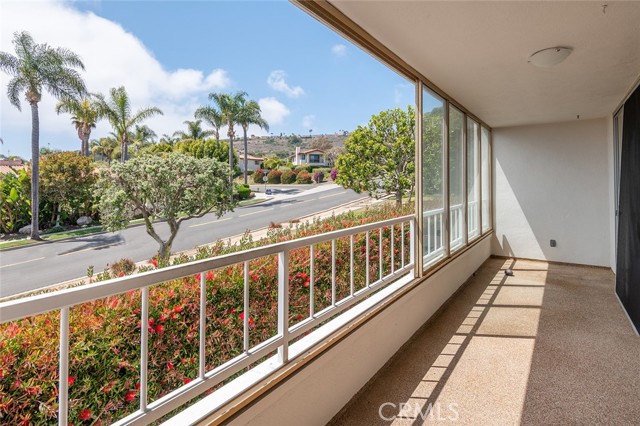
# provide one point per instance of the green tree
(194, 131)
(208, 148)
(84, 115)
(272, 162)
(379, 158)
(14, 201)
(249, 113)
(174, 188)
(229, 107)
(212, 117)
(117, 110)
(105, 148)
(67, 180)
(36, 67)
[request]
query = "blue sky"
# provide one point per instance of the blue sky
(172, 54)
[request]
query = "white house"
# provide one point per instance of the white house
(313, 157)
(253, 162)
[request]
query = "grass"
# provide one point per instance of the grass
(252, 201)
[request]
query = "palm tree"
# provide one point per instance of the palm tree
(194, 131)
(212, 117)
(249, 113)
(169, 140)
(229, 107)
(118, 111)
(104, 148)
(34, 68)
(84, 115)
(142, 136)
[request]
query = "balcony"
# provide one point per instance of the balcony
(548, 345)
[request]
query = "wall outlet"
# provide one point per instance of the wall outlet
(553, 243)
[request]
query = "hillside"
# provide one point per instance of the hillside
(284, 146)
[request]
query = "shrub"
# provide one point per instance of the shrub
(123, 267)
(288, 177)
(274, 176)
(303, 168)
(258, 175)
(284, 169)
(244, 192)
(334, 174)
(318, 177)
(303, 177)
(104, 342)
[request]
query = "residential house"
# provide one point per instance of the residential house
(311, 157)
(12, 166)
(253, 163)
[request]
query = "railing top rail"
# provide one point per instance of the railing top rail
(46, 302)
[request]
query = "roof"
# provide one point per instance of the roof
(250, 157)
(11, 166)
(307, 151)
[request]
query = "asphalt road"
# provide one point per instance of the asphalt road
(34, 267)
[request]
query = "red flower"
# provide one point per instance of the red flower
(251, 322)
(151, 321)
(138, 386)
(306, 283)
(241, 316)
(169, 366)
(154, 262)
(162, 318)
(121, 274)
(209, 276)
(187, 381)
(177, 309)
(197, 277)
(71, 380)
(85, 414)
(130, 396)
(159, 328)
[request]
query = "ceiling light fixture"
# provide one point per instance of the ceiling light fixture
(549, 57)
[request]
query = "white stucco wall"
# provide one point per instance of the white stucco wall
(318, 391)
(552, 181)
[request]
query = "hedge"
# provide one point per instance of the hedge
(244, 192)
(105, 334)
(274, 176)
(288, 177)
(258, 175)
(303, 177)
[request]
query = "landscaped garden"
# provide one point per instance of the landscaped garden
(105, 334)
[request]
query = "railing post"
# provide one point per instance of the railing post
(203, 324)
(63, 373)
(283, 305)
(144, 347)
(311, 281)
(333, 272)
(351, 271)
(412, 241)
(245, 319)
(367, 278)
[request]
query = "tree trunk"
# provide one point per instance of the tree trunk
(35, 171)
(85, 142)
(398, 198)
(165, 251)
(246, 162)
(59, 210)
(231, 162)
(123, 155)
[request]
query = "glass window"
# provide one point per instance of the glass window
(303, 156)
(473, 179)
(433, 215)
(456, 179)
(486, 179)
(314, 158)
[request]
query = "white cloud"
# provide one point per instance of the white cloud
(339, 50)
(307, 121)
(276, 81)
(112, 57)
(273, 110)
(402, 94)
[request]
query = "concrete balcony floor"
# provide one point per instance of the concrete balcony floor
(548, 346)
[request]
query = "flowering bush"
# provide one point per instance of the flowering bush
(274, 176)
(288, 177)
(303, 177)
(334, 174)
(258, 175)
(318, 177)
(104, 355)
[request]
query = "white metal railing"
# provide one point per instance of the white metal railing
(149, 411)
(472, 218)
(433, 233)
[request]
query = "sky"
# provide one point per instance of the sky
(172, 54)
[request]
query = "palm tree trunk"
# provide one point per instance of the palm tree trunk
(245, 155)
(123, 155)
(35, 171)
(231, 162)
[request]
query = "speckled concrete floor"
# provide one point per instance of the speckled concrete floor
(548, 346)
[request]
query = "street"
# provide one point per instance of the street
(33, 267)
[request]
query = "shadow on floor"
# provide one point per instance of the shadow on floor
(549, 345)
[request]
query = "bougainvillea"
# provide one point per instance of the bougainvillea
(104, 356)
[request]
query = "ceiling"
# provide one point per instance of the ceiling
(477, 53)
